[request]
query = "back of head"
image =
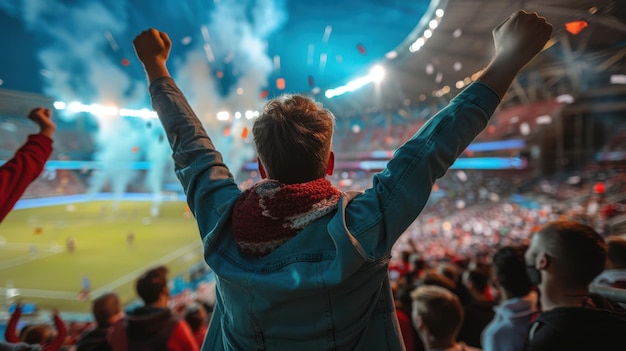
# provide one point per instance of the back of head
(579, 253)
(449, 270)
(510, 270)
(418, 263)
(195, 316)
(439, 310)
(38, 334)
(150, 285)
(616, 253)
(105, 307)
(476, 279)
(293, 138)
(434, 278)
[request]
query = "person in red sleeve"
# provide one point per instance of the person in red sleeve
(28, 162)
(38, 334)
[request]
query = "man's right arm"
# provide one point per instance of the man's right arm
(200, 168)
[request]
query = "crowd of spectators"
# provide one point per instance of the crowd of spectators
(468, 240)
(473, 246)
(487, 302)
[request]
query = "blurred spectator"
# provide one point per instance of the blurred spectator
(478, 310)
(508, 330)
(402, 267)
(418, 268)
(109, 333)
(437, 315)
(17, 173)
(402, 302)
(153, 327)
(614, 274)
(198, 319)
(449, 270)
(563, 258)
(40, 334)
(433, 278)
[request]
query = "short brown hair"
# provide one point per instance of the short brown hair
(293, 138)
(105, 307)
(579, 251)
(617, 252)
(439, 309)
(150, 284)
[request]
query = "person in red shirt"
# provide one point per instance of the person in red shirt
(27, 163)
(153, 326)
(41, 334)
(197, 318)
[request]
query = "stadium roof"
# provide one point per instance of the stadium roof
(238, 52)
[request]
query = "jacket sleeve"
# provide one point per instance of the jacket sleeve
(200, 168)
(182, 338)
(399, 193)
(10, 334)
(25, 166)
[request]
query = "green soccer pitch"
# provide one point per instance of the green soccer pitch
(36, 263)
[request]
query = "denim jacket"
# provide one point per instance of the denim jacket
(326, 288)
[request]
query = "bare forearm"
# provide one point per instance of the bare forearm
(499, 75)
(156, 70)
(517, 40)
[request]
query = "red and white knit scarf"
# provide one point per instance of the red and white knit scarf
(270, 213)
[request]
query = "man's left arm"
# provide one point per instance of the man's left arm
(21, 170)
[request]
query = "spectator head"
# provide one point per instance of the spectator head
(107, 309)
(152, 286)
(510, 271)
(293, 139)
(449, 270)
(476, 281)
(419, 264)
(433, 278)
(616, 253)
(437, 314)
(566, 253)
(39, 334)
(25, 331)
(195, 316)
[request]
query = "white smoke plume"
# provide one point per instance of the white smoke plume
(237, 38)
(77, 33)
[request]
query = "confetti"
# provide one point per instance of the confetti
(361, 48)
(280, 83)
(576, 27)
